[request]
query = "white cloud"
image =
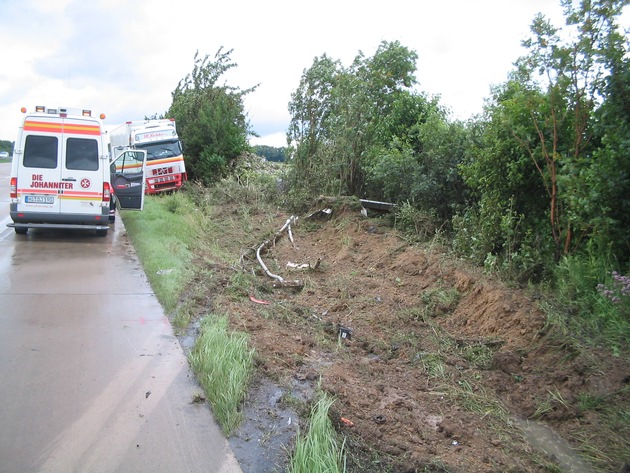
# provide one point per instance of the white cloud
(125, 58)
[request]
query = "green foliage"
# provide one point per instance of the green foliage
(310, 108)
(423, 169)
(210, 118)
(507, 215)
(606, 182)
(361, 130)
(563, 83)
(339, 115)
(501, 240)
(6, 146)
(156, 116)
(271, 153)
(547, 172)
(417, 223)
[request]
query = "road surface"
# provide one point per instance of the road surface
(92, 378)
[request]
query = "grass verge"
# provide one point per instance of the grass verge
(163, 239)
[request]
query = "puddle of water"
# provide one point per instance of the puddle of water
(260, 443)
(545, 439)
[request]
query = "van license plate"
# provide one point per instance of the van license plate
(39, 199)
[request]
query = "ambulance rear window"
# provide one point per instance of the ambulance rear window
(82, 154)
(40, 152)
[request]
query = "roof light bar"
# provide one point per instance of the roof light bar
(63, 111)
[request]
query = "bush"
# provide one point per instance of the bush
(597, 299)
(418, 223)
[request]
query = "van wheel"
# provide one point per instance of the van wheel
(101, 233)
(21, 230)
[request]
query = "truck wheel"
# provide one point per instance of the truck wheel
(21, 230)
(101, 233)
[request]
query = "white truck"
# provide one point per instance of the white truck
(165, 168)
(61, 175)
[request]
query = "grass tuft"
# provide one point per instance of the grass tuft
(319, 450)
(223, 363)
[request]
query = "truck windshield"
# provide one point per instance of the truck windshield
(163, 149)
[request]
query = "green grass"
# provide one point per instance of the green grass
(479, 355)
(319, 450)
(223, 364)
(163, 238)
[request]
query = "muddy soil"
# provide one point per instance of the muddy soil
(434, 366)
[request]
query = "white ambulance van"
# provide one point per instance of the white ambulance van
(61, 176)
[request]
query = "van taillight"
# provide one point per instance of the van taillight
(107, 192)
(13, 188)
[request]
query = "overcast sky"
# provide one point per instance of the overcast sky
(125, 57)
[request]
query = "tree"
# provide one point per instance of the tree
(373, 99)
(548, 173)
(562, 86)
(270, 153)
(210, 118)
(340, 114)
(506, 211)
(420, 164)
(309, 132)
(7, 146)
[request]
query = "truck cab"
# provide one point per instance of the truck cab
(165, 168)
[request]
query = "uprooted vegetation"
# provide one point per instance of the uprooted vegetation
(433, 365)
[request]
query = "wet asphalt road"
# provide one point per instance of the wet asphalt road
(92, 378)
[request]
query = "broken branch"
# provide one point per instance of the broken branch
(281, 282)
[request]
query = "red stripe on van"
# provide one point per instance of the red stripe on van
(61, 127)
(66, 194)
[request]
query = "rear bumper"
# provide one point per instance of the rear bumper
(64, 226)
(53, 220)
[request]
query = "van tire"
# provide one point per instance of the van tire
(101, 233)
(21, 230)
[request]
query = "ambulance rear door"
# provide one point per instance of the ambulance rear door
(127, 175)
(83, 172)
(39, 174)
